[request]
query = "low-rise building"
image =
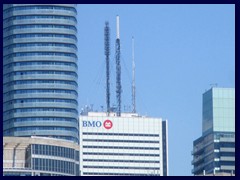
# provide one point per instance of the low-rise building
(39, 156)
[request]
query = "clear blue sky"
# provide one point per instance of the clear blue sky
(179, 51)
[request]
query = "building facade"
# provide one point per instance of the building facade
(127, 145)
(39, 156)
(40, 71)
(214, 151)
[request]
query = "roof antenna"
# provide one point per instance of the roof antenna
(118, 70)
(107, 53)
(133, 80)
(213, 85)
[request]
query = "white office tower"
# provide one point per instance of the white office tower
(127, 145)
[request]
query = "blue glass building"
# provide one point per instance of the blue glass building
(40, 71)
(214, 151)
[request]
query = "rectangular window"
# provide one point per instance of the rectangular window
(33, 148)
(41, 149)
(44, 165)
(66, 153)
(53, 151)
(65, 167)
(47, 150)
(61, 166)
(33, 165)
(47, 164)
(37, 149)
(57, 151)
(36, 163)
(68, 165)
(55, 165)
(72, 154)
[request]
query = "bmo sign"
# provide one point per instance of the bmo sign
(107, 124)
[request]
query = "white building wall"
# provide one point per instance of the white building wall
(142, 132)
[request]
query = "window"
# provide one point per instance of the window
(19, 8)
(41, 91)
(13, 27)
(20, 17)
(39, 35)
(21, 54)
(40, 45)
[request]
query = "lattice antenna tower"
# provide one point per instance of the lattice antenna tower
(107, 54)
(118, 70)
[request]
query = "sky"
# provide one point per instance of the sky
(180, 52)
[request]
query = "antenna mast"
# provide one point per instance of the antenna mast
(133, 80)
(118, 70)
(107, 53)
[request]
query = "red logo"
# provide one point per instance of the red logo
(107, 124)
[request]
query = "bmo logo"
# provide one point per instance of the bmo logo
(92, 123)
(107, 124)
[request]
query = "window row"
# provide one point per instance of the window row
(72, 18)
(43, 128)
(121, 167)
(116, 140)
(226, 154)
(52, 82)
(119, 160)
(36, 100)
(40, 45)
(29, 91)
(120, 134)
(6, 173)
(55, 151)
(69, 138)
(40, 109)
(40, 26)
(31, 119)
(38, 7)
(224, 163)
(121, 147)
(54, 165)
(39, 35)
(40, 54)
(120, 174)
(224, 144)
(32, 63)
(10, 132)
(224, 135)
(119, 154)
(15, 73)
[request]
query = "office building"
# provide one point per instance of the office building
(39, 156)
(40, 71)
(128, 145)
(214, 152)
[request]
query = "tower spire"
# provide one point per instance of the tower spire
(118, 27)
(133, 80)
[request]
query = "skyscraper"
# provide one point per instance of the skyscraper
(214, 151)
(126, 145)
(40, 71)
